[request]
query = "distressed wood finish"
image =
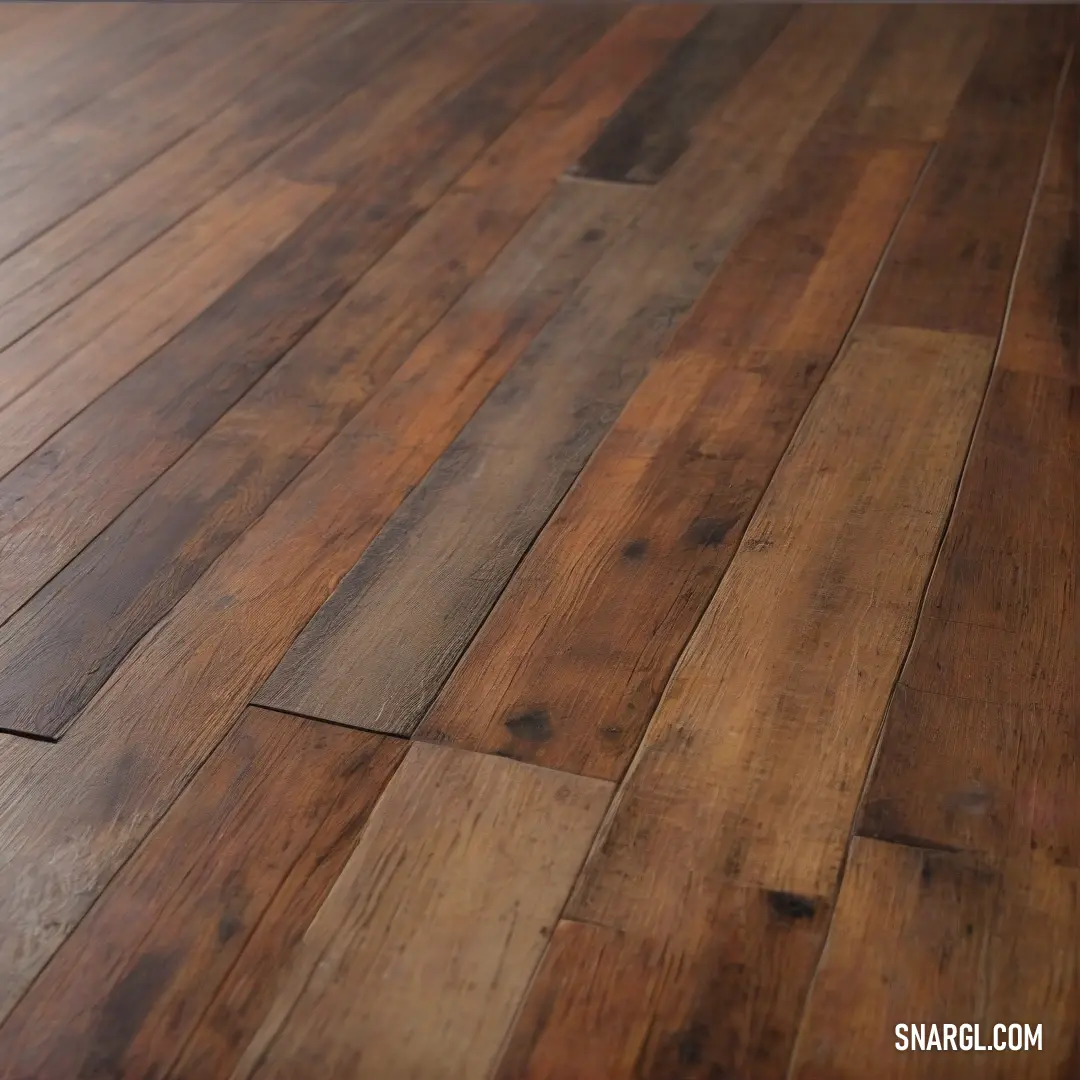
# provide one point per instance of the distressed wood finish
(380, 650)
(139, 566)
(654, 128)
(239, 866)
(415, 963)
(929, 936)
(791, 664)
(569, 666)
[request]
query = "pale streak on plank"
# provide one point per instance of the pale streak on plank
(415, 963)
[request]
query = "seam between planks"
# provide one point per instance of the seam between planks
(975, 429)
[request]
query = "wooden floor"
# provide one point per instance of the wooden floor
(538, 542)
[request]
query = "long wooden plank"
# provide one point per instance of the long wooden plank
(261, 444)
(119, 323)
(570, 665)
(415, 964)
(107, 138)
(925, 937)
(276, 108)
(987, 164)
(381, 648)
(77, 482)
(653, 129)
(912, 76)
(750, 772)
(169, 703)
(211, 906)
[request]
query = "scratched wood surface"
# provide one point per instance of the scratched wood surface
(537, 542)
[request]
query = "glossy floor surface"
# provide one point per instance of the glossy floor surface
(537, 542)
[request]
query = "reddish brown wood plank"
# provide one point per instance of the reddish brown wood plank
(192, 936)
(924, 937)
(277, 107)
(971, 211)
(570, 665)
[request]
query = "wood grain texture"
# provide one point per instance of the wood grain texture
(145, 735)
(930, 936)
(750, 772)
(140, 565)
(431, 578)
(76, 483)
(570, 665)
(653, 129)
(83, 248)
(238, 866)
(75, 356)
(911, 77)
(415, 963)
(971, 210)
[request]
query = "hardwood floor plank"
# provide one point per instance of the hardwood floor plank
(60, 497)
(923, 937)
(653, 129)
(910, 79)
(110, 136)
(94, 342)
(432, 577)
(750, 772)
(277, 107)
(1041, 335)
(172, 699)
(415, 963)
(139, 566)
(570, 665)
(971, 210)
(207, 913)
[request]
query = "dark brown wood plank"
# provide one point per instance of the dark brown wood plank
(75, 484)
(80, 251)
(138, 567)
(169, 703)
(570, 665)
(930, 937)
(415, 964)
(193, 935)
(381, 648)
(971, 210)
(654, 128)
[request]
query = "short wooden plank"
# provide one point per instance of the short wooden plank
(977, 749)
(415, 964)
(379, 651)
(170, 702)
(277, 107)
(911, 78)
(929, 937)
(81, 479)
(139, 566)
(969, 217)
(208, 912)
(653, 129)
(570, 665)
(94, 342)
(750, 772)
